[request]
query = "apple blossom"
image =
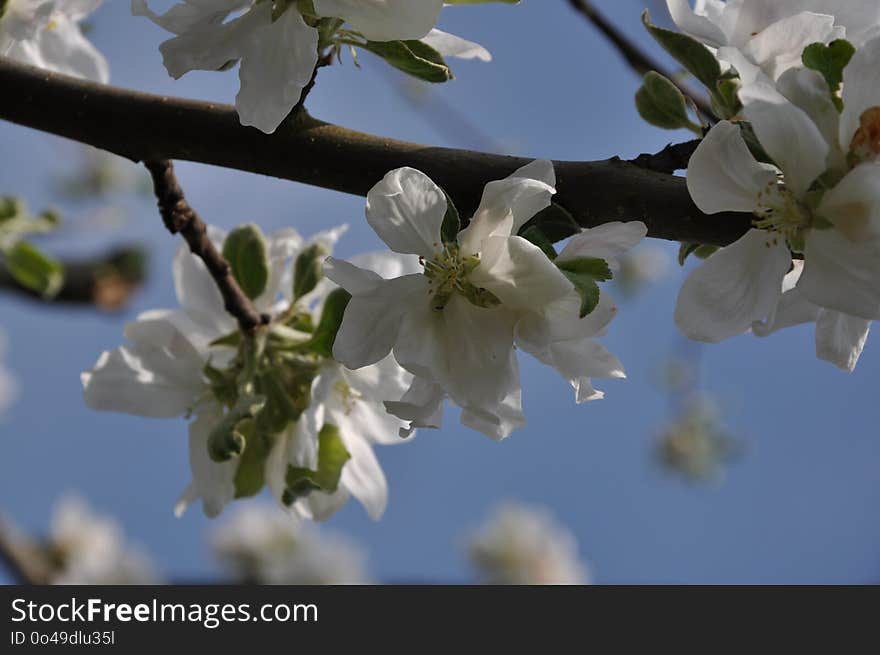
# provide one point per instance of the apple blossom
(772, 35)
(480, 291)
(824, 206)
(46, 34)
(260, 544)
(268, 410)
(279, 42)
(524, 545)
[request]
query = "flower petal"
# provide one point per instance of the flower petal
(861, 89)
(722, 173)
(406, 209)
(840, 338)
(608, 241)
(450, 45)
(735, 287)
(509, 203)
(385, 20)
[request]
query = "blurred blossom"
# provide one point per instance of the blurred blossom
(525, 545)
(98, 174)
(90, 549)
(641, 267)
(8, 387)
(265, 545)
(695, 444)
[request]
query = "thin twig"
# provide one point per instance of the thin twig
(180, 218)
(640, 61)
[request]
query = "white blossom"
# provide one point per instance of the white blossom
(8, 386)
(47, 34)
(161, 374)
(454, 323)
(278, 46)
(525, 545)
(92, 550)
(260, 544)
(823, 201)
(771, 36)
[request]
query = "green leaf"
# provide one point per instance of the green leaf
(555, 222)
(451, 225)
(830, 60)
(690, 53)
(332, 456)
(535, 235)
(10, 208)
(412, 57)
(725, 102)
(245, 250)
(661, 104)
(307, 270)
(699, 250)
(33, 269)
(324, 335)
(583, 273)
(227, 439)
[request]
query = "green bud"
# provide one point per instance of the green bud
(245, 250)
(307, 270)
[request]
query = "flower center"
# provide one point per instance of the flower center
(781, 212)
(865, 145)
(448, 273)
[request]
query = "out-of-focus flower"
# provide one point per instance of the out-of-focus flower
(525, 545)
(261, 544)
(89, 549)
(8, 386)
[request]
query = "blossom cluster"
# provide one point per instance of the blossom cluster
(798, 92)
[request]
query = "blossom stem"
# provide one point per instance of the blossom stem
(180, 218)
(635, 57)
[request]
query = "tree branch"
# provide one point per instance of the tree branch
(640, 61)
(180, 218)
(674, 157)
(150, 128)
(106, 282)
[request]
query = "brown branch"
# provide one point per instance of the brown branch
(148, 127)
(106, 282)
(180, 218)
(674, 157)
(640, 61)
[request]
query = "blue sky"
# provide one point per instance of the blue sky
(799, 506)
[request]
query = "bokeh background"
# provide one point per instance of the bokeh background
(796, 503)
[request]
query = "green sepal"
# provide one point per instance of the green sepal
(332, 456)
(324, 335)
(584, 273)
(246, 251)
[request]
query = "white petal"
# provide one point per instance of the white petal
(421, 406)
(840, 338)
(608, 241)
(385, 20)
(508, 204)
(197, 292)
(722, 173)
(842, 275)
(362, 476)
(388, 264)
(212, 482)
(861, 89)
(499, 421)
(159, 376)
(276, 64)
(560, 321)
(694, 24)
(792, 309)
(186, 16)
(519, 274)
(450, 45)
(735, 287)
(406, 209)
(64, 49)
(853, 205)
(780, 46)
(463, 348)
(788, 135)
(374, 314)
